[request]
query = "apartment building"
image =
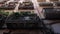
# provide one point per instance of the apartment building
(30, 11)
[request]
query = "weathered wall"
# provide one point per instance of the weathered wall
(41, 0)
(45, 0)
(54, 0)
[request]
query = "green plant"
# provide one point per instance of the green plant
(4, 13)
(25, 13)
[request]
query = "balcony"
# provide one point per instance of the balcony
(8, 6)
(22, 20)
(14, 2)
(46, 4)
(2, 2)
(26, 5)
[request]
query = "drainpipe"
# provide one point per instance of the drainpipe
(38, 9)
